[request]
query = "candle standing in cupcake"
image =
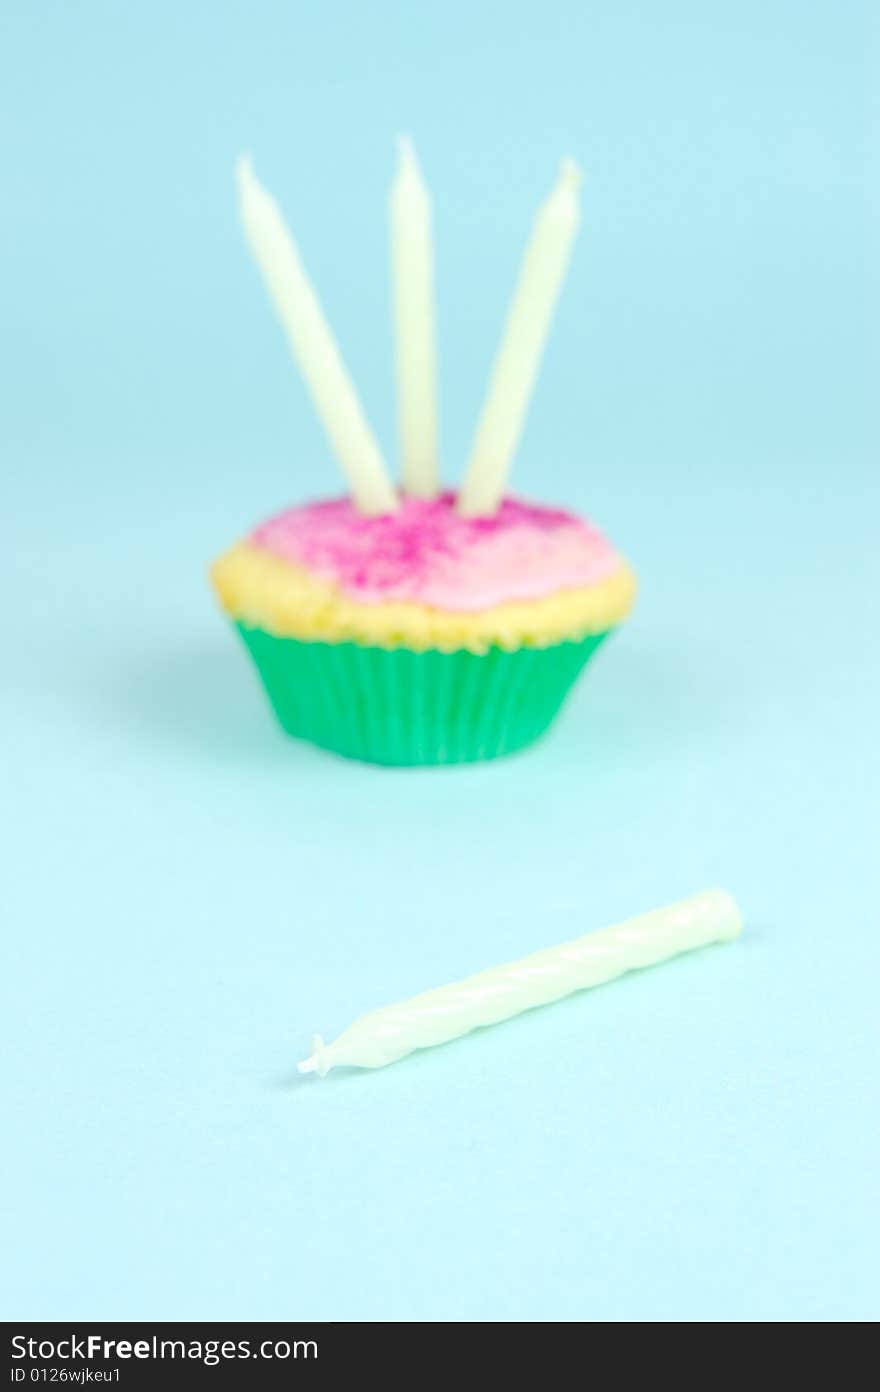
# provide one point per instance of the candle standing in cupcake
(420, 626)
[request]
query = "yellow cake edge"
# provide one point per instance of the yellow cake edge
(260, 590)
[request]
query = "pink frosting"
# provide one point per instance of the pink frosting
(427, 554)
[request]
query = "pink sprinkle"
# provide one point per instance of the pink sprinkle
(425, 553)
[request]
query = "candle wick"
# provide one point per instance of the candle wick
(406, 151)
(317, 1062)
(244, 170)
(571, 172)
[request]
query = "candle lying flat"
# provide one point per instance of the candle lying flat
(412, 273)
(522, 344)
(314, 347)
(383, 1036)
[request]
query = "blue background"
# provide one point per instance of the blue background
(188, 895)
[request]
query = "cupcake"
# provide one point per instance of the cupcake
(422, 637)
(420, 626)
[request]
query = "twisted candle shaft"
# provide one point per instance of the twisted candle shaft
(385, 1035)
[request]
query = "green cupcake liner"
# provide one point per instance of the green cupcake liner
(404, 708)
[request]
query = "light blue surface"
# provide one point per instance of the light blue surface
(188, 896)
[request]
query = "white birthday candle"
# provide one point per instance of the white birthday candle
(412, 274)
(383, 1036)
(314, 347)
(522, 344)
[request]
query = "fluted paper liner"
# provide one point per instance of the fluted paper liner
(400, 707)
